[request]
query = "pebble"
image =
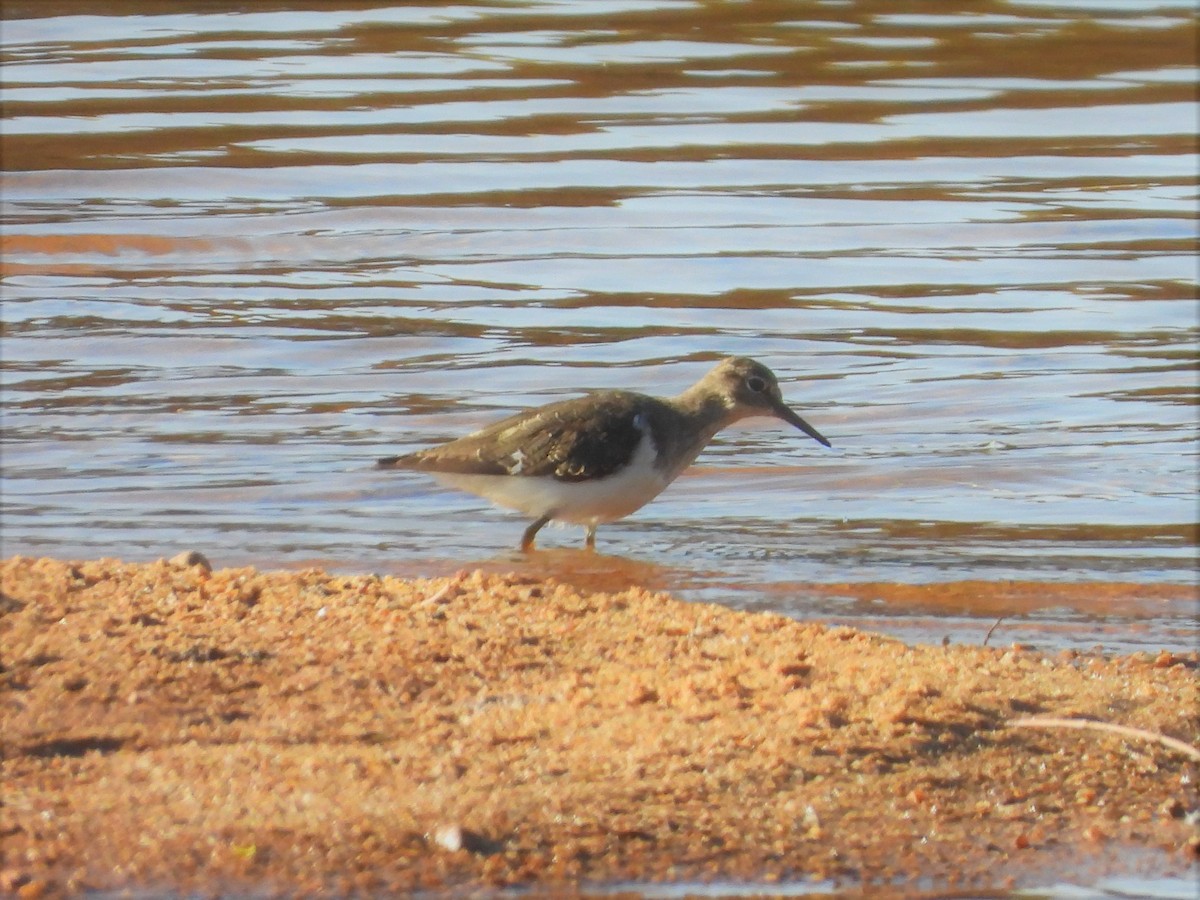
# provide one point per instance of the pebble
(189, 558)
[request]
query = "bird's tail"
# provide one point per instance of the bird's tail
(390, 462)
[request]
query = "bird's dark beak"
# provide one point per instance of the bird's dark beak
(784, 412)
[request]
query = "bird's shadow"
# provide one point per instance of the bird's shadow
(587, 570)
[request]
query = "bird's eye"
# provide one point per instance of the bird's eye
(756, 384)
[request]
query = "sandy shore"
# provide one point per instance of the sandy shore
(304, 733)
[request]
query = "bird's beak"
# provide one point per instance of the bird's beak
(783, 411)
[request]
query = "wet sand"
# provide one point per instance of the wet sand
(236, 731)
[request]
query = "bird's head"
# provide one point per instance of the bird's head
(748, 388)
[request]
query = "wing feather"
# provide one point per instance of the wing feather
(573, 440)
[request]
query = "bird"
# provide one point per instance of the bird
(597, 458)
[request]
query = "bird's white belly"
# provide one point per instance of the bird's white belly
(581, 502)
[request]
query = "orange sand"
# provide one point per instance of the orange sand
(302, 733)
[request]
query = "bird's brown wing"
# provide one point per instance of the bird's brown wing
(573, 440)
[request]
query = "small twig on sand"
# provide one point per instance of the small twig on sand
(443, 592)
(987, 637)
(1141, 733)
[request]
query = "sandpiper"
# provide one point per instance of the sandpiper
(600, 457)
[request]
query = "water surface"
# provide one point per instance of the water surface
(248, 252)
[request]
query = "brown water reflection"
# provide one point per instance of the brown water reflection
(247, 250)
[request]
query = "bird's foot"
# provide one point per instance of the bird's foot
(531, 533)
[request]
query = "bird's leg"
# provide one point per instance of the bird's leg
(531, 533)
(590, 540)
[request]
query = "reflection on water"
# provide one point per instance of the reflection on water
(248, 252)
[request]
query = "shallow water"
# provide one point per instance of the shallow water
(247, 253)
